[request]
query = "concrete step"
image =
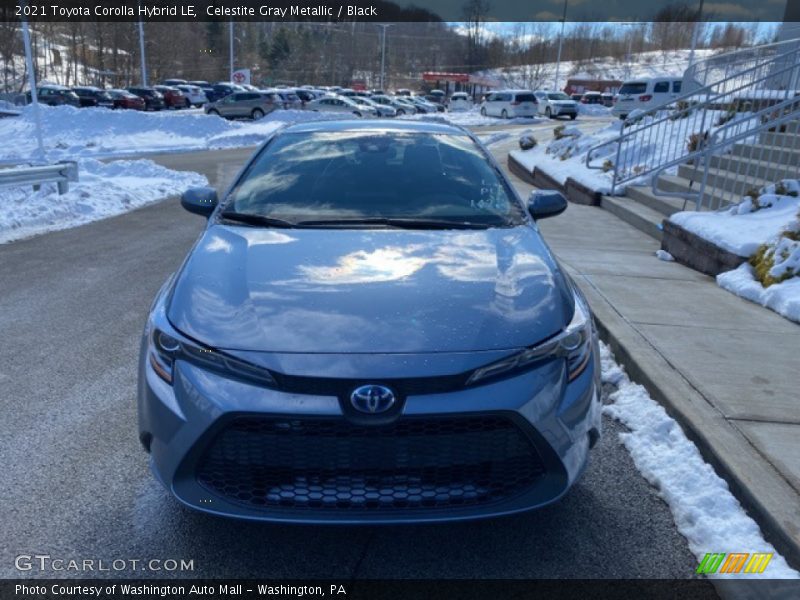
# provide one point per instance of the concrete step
(666, 205)
(748, 168)
(775, 154)
(645, 219)
(728, 185)
(782, 140)
(713, 199)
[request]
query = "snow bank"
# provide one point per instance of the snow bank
(594, 110)
(104, 190)
(705, 511)
(471, 118)
(74, 132)
(783, 298)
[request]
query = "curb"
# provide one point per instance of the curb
(764, 493)
(574, 191)
(696, 253)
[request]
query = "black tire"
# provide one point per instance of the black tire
(400, 111)
(547, 113)
(188, 104)
(573, 117)
(504, 114)
(257, 114)
(483, 111)
(214, 112)
(356, 113)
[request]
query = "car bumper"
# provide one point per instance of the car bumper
(240, 450)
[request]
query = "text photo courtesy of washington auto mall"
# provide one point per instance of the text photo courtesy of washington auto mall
(457, 299)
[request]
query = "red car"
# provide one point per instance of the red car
(124, 99)
(173, 97)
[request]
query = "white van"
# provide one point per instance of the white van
(645, 93)
(460, 101)
(509, 104)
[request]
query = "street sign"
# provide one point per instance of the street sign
(241, 77)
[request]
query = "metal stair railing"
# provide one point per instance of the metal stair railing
(758, 76)
(780, 120)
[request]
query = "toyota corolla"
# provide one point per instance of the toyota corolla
(369, 329)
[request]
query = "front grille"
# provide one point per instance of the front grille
(413, 463)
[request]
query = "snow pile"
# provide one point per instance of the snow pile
(104, 190)
(705, 511)
(470, 118)
(765, 229)
(72, 132)
(594, 110)
(665, 256)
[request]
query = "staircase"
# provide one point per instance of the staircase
(759, 146)
(747, 166)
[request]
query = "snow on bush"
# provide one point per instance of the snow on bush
(705, 512)
(104, 190)
(527, 141)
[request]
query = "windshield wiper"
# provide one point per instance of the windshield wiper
(251, 219)
(400, 223)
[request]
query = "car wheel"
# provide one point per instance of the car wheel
(356, 113)
(504, 114)
(483, 111)
(188, 103)
(547, 113)
(214, 112)
(257, 114)
(400, 112)
(573, 117)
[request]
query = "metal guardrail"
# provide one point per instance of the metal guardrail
(61, 173)
(660, 138)
(757, 161)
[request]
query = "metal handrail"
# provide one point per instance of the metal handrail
(768, 68)
(720, 140)
(61, 173)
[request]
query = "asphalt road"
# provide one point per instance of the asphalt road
(75, 483)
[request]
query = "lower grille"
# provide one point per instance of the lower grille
(413, 463)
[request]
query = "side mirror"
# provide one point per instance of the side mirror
(546, 203)
(200, 201)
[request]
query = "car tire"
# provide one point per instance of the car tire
(547, 113)
(483, 111)
(356, 113)
(188, 103)
(400, 112)
(504, 114)
(214, 112)
(257, 114)
(573, 117)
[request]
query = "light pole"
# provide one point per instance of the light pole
(383, 27)
(26, 38)
(560, 42)
(695, 33)
(141, 50)
(230, 35)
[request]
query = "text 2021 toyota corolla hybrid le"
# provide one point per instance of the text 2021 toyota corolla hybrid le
(370, 329)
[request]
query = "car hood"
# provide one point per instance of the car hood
(369, 291)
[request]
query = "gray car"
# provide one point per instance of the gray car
(369, 329)
(242, 105)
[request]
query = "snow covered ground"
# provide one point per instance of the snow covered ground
(772, 219)
(74, 132)
(705, 512)
(472, 118)
(104, 190)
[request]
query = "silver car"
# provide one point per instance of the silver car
(243, 105)
(341, 104)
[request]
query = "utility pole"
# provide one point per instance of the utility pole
(696, 33)
(26, 37)
(141, 50)
(230, 35)
(383, 27)
(560, 42)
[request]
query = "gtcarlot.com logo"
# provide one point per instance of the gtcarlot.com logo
(735, 562)
(48, 563)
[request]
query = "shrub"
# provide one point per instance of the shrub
(526, 142)
(558, 132)
(696, 141)
(607, 166)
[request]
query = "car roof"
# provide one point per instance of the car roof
(375, 125)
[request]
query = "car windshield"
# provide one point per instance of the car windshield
(330, 177)
(558, 96)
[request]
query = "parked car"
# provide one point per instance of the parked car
(153, 100)
(239, 105)
(460, 101)
(220, 90)
(608, 100)
(173, 97)
(93, 96)
(402, 108)
(55, 95)
(369, 329)
(342, 104)
(509, 104)
(384, 110)
(422, 105)
(437, 101)
(645, 94)
(193, 94)
(411, 108)
(174, 82)
(576, 97)
(403, 92)
(592, 98)
(556, 104)
(306, 95)
(291, 101)
(124, 99)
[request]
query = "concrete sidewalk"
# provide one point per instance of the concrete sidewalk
(725, 368)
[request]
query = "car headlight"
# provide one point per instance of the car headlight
(574, 344)
(165, 348)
